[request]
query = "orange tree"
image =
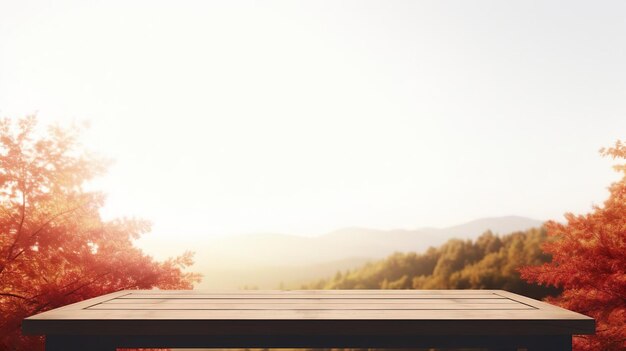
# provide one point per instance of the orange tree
(54, 247)
(589, 263)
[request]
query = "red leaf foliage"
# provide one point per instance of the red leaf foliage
(54, 247)
(589, 263)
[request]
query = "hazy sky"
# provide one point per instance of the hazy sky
(307, 116)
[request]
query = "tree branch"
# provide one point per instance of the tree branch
(21, 225)
(14, 295)
(30, 237)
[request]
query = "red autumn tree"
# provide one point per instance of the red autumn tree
(54, 247)
(589, 263)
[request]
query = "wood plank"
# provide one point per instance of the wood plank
(299, 315)
(310, 293)
(499, 300)
(312, 296)
(318, 292)
(305, 306)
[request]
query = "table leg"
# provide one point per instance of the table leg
(77, 343)
(542, 343)
(554, 343)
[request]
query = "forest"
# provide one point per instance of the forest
(489, 262)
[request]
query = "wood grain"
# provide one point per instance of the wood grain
(349, 313)
(307, 296)
(307, 306)
(347, 301)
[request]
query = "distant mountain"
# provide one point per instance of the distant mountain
(266, 260)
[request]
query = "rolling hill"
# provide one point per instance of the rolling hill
(269, 260)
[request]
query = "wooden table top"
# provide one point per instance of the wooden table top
(314, 312)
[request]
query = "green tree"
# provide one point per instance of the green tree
(489, 262)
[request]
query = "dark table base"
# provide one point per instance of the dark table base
(500, 342)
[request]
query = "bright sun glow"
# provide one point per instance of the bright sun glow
(304, 117)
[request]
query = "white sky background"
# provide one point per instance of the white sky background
(307, 116)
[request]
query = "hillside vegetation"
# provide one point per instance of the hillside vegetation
(270, 260)
(489, 262)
